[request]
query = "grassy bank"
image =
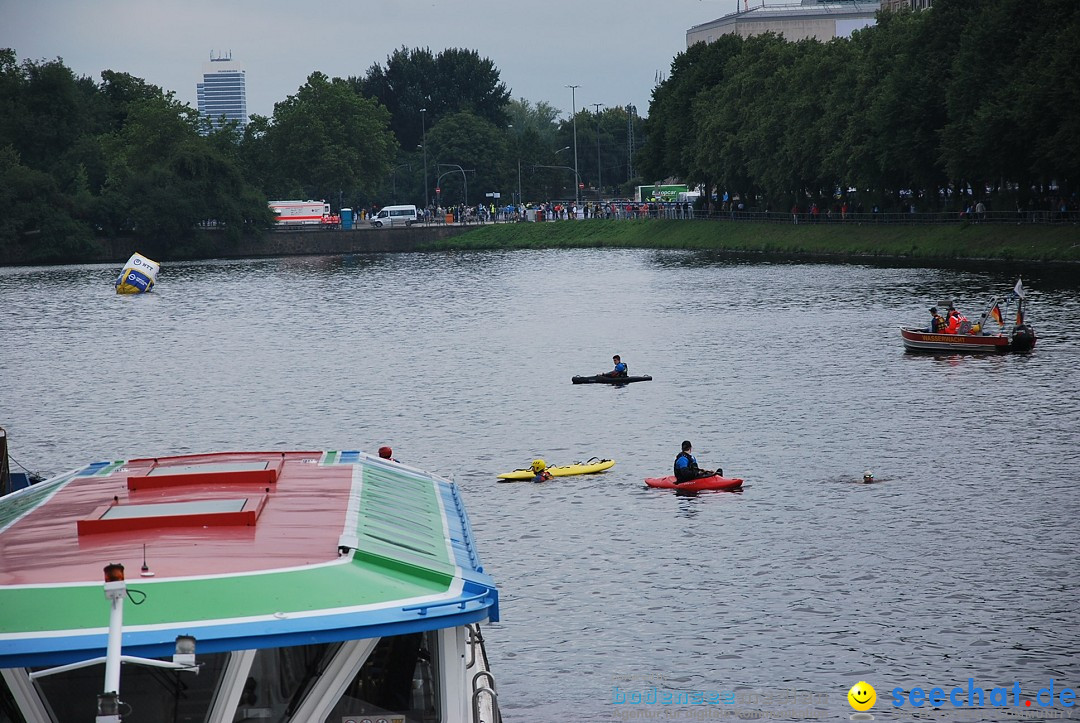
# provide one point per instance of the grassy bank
(930, 242)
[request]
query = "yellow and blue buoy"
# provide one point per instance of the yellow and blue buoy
(138, 276)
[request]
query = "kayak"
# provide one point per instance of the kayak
(603, 379)
(591, 466)
(700, 484)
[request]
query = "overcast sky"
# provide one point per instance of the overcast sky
(613, 49)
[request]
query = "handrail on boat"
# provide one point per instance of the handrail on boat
(478, 690)
(483, 674)
(422, 609)
(471, 661)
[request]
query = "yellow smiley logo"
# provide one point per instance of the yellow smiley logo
(862, 696)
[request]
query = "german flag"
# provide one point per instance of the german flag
(996, 314)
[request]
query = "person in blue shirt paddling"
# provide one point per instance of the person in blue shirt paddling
(686, 466)
(620, 369)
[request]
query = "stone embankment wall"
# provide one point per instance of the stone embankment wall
(275, 243)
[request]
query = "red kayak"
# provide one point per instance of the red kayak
(701, 483)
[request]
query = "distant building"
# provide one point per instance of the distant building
(222, 91)
(808, 19)
(895, 5)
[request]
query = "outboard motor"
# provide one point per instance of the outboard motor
(1023, 338)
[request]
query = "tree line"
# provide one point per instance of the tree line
(970, 100)
(81, 158)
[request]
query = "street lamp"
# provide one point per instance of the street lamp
(464, 180)
(573, 106)
(565, 168)
(518, 147)
(598, 192)
(423, 129)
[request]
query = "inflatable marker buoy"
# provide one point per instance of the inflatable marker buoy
(138, 276)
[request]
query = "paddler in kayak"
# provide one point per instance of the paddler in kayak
(620, 369)
(540, 471)
(686, 466)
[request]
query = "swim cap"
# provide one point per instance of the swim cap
(385, 452)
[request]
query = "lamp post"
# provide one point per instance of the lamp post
(598, 192)
(577, 178)
(423, 130)
(517, 146)
(464, 180)
(573, 106)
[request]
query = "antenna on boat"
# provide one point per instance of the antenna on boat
(145, 568)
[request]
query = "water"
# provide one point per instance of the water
(959, 563)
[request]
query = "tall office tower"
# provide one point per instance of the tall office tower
(222, 92)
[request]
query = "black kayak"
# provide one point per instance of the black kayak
(604, 379)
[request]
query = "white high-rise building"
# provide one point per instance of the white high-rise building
(222, 91)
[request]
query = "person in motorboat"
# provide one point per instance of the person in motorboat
(937, 321)
(387, 453)
(620, 369)
(540, 471)
(686, 466)
(957, 323)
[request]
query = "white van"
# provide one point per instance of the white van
(395, 216)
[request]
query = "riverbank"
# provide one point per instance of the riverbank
(1032, 243)
(1001, 242)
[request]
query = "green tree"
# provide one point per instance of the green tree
(165, 179)
(671, 129)
(327, 140)
(455, 80)
(476, 145)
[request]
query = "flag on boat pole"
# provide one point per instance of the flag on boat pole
(995, 312)
(1019, 288)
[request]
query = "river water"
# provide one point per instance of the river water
(959, 563)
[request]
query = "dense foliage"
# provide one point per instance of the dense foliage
(971, 100)
(453, 116)
(80, 159)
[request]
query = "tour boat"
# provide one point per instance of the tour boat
(299, 586)
(976, 337)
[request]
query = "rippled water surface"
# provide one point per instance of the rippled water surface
(961, 562)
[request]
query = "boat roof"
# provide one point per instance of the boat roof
(246, 549)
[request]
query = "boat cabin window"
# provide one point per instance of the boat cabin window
(398, 682)
(146, 693)
(9, 711)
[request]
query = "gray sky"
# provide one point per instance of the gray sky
(613, 49)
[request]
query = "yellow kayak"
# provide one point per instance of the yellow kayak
(589, 467)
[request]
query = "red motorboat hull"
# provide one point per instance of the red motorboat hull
(919, 340)
(699, 485)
